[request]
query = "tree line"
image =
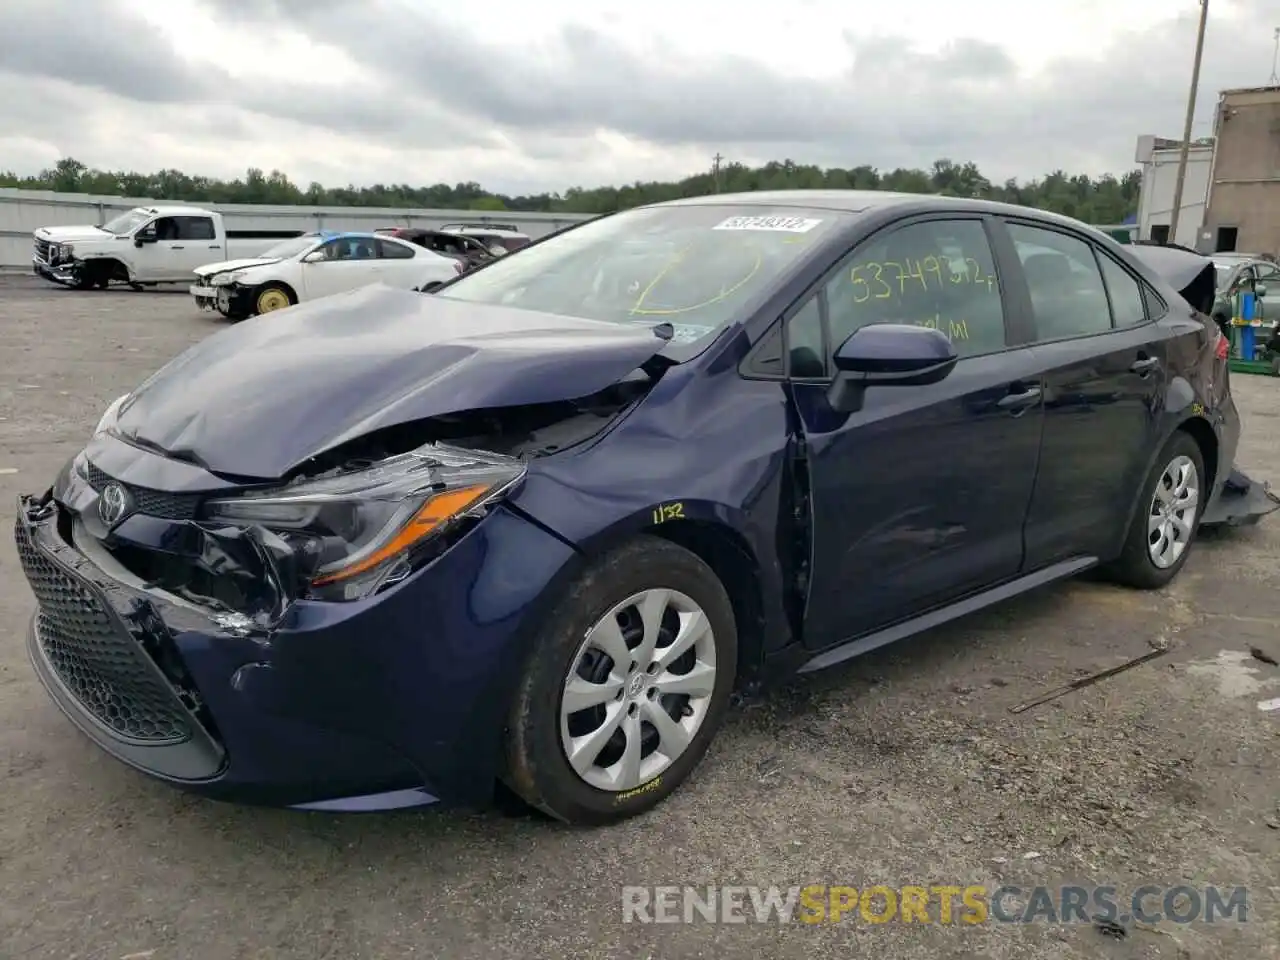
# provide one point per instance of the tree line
(1102, 200)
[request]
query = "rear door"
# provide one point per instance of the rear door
(400, 263)
(1104, 365)
(919, 497)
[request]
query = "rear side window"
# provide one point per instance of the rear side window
(935, 273)
(1062, 275)
(393, 251)
(1127, 308)
(195, 228)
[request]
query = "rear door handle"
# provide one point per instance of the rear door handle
(177, 246)
(1019, 400)
(1144, 365)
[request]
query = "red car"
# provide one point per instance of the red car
(471, 252)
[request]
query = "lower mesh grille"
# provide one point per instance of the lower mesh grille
(95, 656)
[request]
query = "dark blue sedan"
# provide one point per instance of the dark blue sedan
(388, 549)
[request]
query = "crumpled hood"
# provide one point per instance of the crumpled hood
(222, 266)
(262, 397)
(72, 234)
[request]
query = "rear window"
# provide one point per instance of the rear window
(696, 267)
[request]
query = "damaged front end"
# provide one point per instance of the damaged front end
(340, 526)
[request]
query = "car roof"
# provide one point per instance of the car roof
(494, 228)
(865, 201)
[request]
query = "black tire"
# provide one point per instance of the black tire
(536, 767)
(1134, 567)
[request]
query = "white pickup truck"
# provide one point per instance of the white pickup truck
(143, 247)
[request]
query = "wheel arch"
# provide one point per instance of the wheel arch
(729, 555)
(114, 268)
(1202, 433)
(282, 284)
(1199, 430)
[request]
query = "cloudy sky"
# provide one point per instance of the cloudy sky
(531, 96)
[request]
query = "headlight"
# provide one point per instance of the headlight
(66, 250)
(223, 279)
(53, 253)
(109, 416)
(354, 533)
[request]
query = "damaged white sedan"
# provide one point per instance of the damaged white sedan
(317, 265)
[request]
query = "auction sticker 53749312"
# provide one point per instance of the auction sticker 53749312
(774, 224)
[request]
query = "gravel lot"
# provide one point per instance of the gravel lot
(905, 767)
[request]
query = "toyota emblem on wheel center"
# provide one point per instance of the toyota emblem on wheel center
(113, 504)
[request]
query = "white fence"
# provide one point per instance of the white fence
(22, 211)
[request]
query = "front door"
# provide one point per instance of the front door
(919, 497)
(1104, 365)
(181, 244)
(346, 263)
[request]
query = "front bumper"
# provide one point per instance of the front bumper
(227, 299)
(393, 701)
(63, 273)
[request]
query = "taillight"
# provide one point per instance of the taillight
(1221, 347)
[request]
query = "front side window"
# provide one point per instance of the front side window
(697, 267)
(350, 248)
(936, 273)
(1067, 293)
(195, 228)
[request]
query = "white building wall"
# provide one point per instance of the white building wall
(1159, 180)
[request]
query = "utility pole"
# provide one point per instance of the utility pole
(1186, 130)
(715, 170)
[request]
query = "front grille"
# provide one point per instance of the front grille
(95, 656)
(42, 248)
(154, 503)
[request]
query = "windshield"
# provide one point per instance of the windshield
(126, 222)
(695, 267)
(292, 247)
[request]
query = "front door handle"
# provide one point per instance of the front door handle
(1018, 401)
(1144, 365)
(215, 246)
(177, 246)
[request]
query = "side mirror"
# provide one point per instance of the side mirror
(315, 256)
(145, 235)
(888, 354)
(1259, 289)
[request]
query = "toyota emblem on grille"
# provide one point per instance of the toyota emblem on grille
(113, 504)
